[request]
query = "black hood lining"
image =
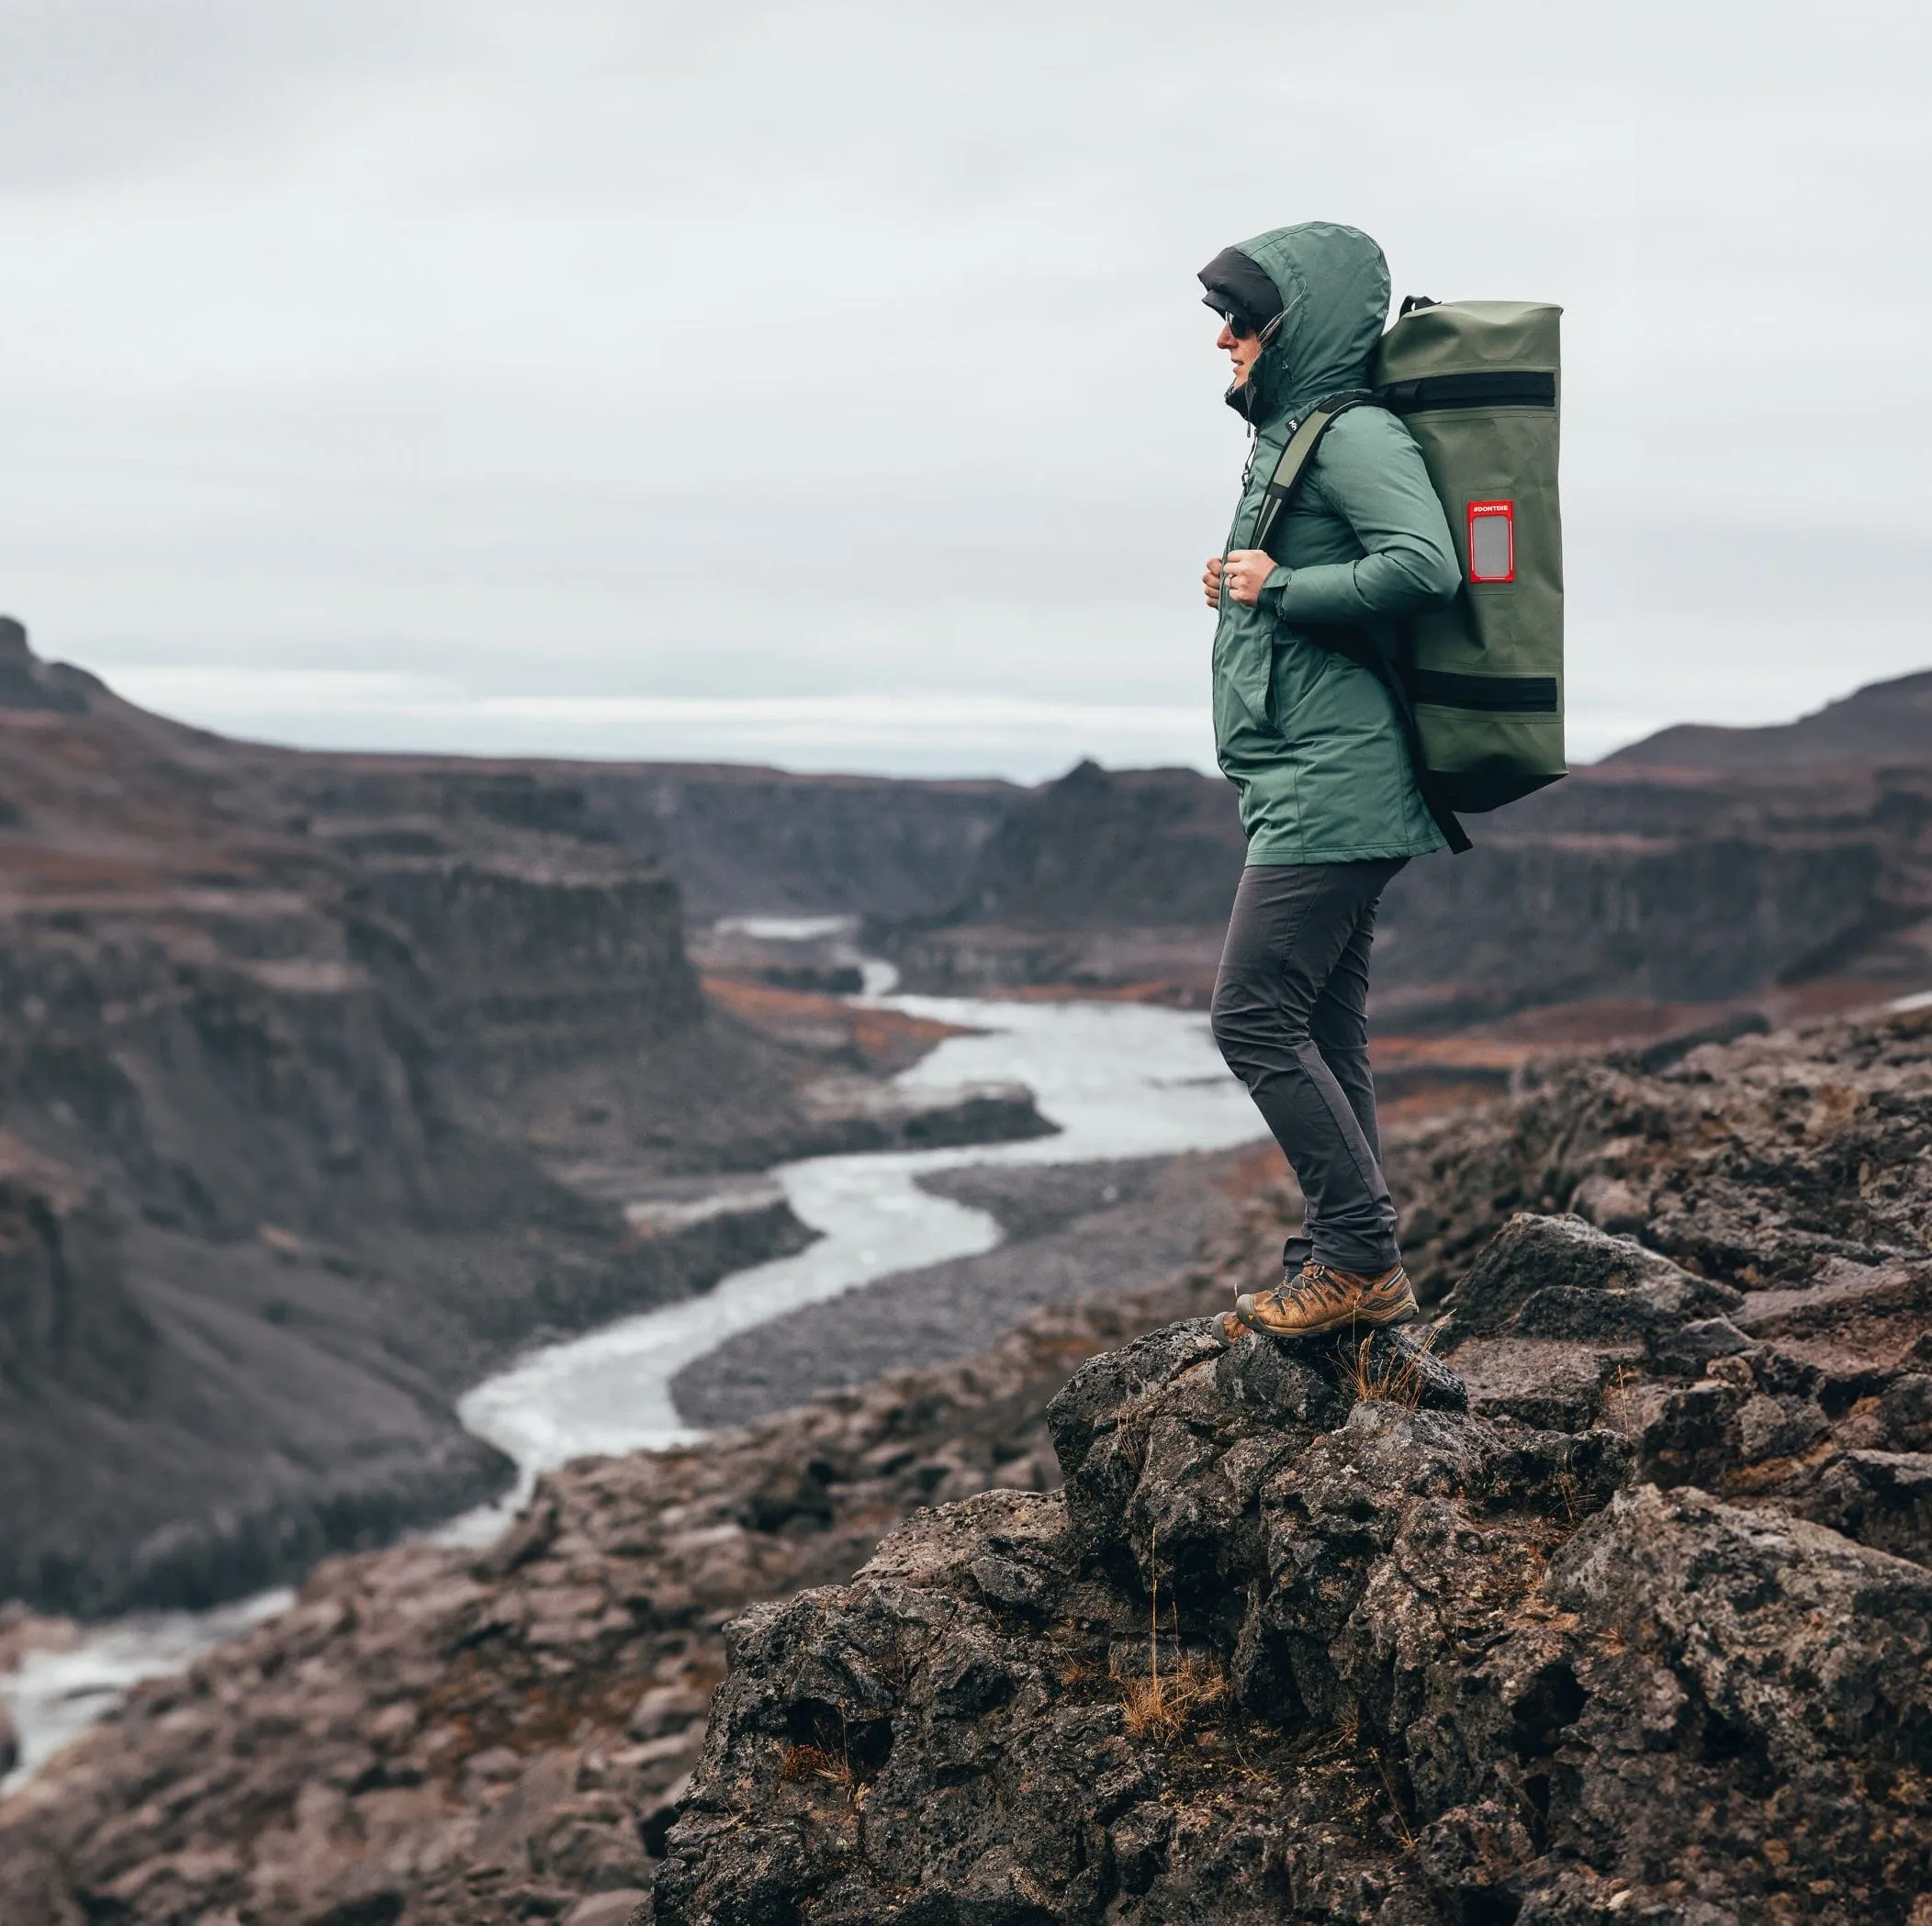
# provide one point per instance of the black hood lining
(1238, 284)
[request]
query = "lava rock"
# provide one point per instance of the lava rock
(1880, 1498)
(1550, 1383)
(1273, 1655)
(1561, 1277)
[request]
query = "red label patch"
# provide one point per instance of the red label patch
(1492, 541)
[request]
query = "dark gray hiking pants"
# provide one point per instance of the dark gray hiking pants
(1291, 1018)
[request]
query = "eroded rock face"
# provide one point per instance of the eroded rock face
(1417, 1666)
(1795, 1161)
(1699, 865)
(327, 1081)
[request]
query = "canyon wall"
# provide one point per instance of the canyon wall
(328, 1078)
(752, 840)
(1704, 865)
(324, 1082)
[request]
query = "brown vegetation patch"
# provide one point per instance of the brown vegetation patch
(1380, 1371)
(1162, 1705)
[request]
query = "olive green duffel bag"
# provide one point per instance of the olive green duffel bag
(1479, 681)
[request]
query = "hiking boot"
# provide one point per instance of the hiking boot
(1318, 1299)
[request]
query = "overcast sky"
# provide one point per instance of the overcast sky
(827, 383)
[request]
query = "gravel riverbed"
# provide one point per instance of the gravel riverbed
(1071, 1231)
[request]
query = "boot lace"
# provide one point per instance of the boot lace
(1310, 1287)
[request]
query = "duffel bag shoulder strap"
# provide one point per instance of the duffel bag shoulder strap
(1304, 441)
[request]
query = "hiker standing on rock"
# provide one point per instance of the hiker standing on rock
(1315, 747)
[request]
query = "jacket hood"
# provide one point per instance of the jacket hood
(1334, 285)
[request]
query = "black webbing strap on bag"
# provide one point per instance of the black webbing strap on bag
(1357, 644)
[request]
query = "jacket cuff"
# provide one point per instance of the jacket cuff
(1270, 597)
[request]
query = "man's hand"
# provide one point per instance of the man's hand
(1211, 581)
(1247, 569)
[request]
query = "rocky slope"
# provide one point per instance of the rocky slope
(325, 1081)
(1642, 1632)
(1704, 865)
(1623, 1613)
(1887, 723)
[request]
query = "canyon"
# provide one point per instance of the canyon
(1618, 1605)
(329, 1081)
(326, 1084)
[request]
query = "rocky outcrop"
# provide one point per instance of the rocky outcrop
(1645, 1631)
(1440, 1703)
(1621, 1609)
(1292, 1646)
(1109, 850)
(1101, 878)
(27, 682)
(1765, 1163)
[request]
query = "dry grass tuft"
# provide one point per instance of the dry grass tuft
(813, 1761)
(1619, 1410)
(1392, 1378)
(1159, 1705)
(1354, 1777)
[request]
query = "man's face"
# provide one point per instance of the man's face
(1242, 350)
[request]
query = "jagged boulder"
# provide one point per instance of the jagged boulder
(1760, 1164)
(1562, 1277)
(1807, 1396)
(1279, 1654)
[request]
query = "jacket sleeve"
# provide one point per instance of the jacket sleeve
(1369, 472)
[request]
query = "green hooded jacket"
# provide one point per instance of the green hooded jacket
(1309, 739)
